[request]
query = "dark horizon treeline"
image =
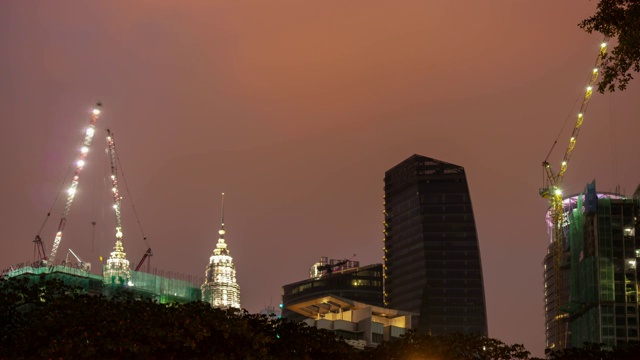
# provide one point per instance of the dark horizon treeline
(53, 320)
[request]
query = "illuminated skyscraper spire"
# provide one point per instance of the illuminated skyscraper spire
(220, 288)
(221, 246)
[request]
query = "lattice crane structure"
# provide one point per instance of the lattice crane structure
(552, 190)
(117, 264)
(117, 268)
(71, 192)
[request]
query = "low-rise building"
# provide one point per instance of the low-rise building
(361, 325)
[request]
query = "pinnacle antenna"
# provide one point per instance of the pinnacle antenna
(222, 212)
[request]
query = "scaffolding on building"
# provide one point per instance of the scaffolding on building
(603, 298)
(163, 287)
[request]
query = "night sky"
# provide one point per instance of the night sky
(295, 109)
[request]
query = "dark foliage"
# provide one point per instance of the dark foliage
(617, 19)
(54, 321)
(50, 320)
(624, 351)
(451, 346)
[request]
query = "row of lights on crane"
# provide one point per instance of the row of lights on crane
(580, 116)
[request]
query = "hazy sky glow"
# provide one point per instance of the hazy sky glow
(295, 109)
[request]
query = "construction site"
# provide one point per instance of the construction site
(590, 279)
(590, 273)
(599, 292)
(116, 273)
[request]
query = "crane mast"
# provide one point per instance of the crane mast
(552, 190)
(146, 256)
(118, 256)
(117, 270)
(114, 182)
(71, 192)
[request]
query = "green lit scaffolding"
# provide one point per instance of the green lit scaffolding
(164, 287)
(603, 280)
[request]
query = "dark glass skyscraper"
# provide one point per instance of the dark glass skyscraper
(432, 258)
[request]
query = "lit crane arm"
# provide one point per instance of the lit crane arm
(551, 190)
(555, 180)
(114, 182)
(71, 192)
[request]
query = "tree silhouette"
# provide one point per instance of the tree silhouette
(617, 19)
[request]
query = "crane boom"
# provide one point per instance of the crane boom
(146, 255)
(117, 199)
(551, 190)
(71, 192)
(114, 182)
(554, 180)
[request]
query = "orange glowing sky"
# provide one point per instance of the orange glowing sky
(295, 109)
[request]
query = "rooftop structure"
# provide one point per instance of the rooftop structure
(362, 284)
(326, 267)
(360, 324)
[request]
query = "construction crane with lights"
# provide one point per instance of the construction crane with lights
(39, 249)
(552, 190)
(117, 199)
(79, 165)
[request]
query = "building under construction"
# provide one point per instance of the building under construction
(599, 292)
(160, 286)
(117, 273)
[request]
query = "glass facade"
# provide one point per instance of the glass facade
(432, 258)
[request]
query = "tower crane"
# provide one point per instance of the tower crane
(117, 199)
(71, 192)
(147, 255)
(552, 191)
